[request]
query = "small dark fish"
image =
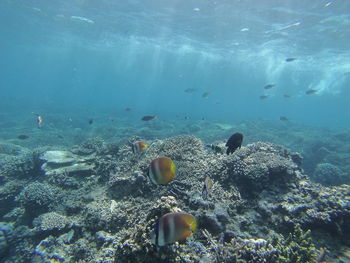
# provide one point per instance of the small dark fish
(287, 96)
(205, 94)
(39, 120)
(234, 142)
(217, 102)
(283, 118)
(311, 91)
(262, 97)
(290, 59)
(91, 121)
(217, 149)
(148, 117)
(190, 90)
(269, 86)
(128, 109)
(186, 118)
(22, 137)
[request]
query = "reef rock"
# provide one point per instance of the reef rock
(5, 232)
(57, 162)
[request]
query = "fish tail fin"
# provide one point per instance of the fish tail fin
(194, 225)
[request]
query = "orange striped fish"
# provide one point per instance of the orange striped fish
(161, 170)
(173, 227)
(139, 147)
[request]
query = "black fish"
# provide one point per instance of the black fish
(91, 121)
(22, 137)
(234, 142)
(283, 118)
(290, 59)
(148, 117)
(127, 109)
(311, 91)
(269, 86)
(262, 97)
(205, 94)
(286, 96)
(189, 90)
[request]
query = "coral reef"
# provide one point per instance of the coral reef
(37, 197)
(261, 207)
(329, 174)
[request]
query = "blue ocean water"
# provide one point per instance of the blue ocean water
(100, 57)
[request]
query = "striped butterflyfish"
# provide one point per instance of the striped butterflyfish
(139, 147)
(161, 170)
(173, 227)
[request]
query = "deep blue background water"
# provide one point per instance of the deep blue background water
(94, 56)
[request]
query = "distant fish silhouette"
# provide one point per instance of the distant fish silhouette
(128, 109)
(190, 90)
(283, 118)
(311, 91)
(262, 97)
(290, 59)
(205, 94)
(148, 117)
(269, 86)
(287, 96)
(91, 121)
(22, 137)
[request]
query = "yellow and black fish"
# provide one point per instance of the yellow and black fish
(173, 227)
(139, 147)
(207, 187)
(161, 170)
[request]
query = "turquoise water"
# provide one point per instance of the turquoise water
(72, 189)
(96, 58)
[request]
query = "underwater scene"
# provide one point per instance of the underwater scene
(149, 131)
